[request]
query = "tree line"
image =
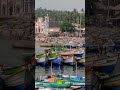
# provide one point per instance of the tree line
(73, 16)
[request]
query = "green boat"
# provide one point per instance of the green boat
(53, 56)
(76, 80)
(42, 84)
(40, 56)
(55, 85)
(57, 49)
(60, 84)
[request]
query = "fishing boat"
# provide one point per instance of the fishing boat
(77, 79)
(42, 84)
(56, 49)
(61, 84)
(78, 53)
(78, 87)
(14, 77)
(105, 65)
(81, 62)
(68, 57)
(58, 61)
(53, 56)
(69, 60)
(41, 59)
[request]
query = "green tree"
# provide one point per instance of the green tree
(67, 27)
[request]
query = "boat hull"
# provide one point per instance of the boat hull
(55, 85)
(78, 55)
(82, 64)
(105, 69)
(69, 60)
(57, 61)
(71, 63)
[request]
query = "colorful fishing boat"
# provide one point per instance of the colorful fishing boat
(56, 58)
(60, 84)
(56, 49)
(53, 56)
(58, 61)
(77, 79)
(44, 59)
(41, 59)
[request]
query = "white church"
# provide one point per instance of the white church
(45, 26)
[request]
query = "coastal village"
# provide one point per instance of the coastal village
(48, 33)
(59, 44)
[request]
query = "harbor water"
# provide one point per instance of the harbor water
(66, 70)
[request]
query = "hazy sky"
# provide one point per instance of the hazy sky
(60, 4)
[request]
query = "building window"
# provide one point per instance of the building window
(42, 29)
(3, 9)
(17, 9)
(31, 6)
(26, 7)
(36, 29)
(39, 30)
(11, 10)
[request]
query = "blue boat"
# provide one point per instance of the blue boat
(78, 55)
(58, 61)
(77, 79)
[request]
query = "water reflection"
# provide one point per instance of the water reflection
(66, 70)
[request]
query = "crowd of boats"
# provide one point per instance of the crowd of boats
(62, 82)
(61, 56)
(57, 56)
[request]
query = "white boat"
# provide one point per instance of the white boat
(69, 60)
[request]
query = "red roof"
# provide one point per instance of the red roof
(54, 24)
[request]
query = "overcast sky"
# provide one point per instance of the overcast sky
(60, 4)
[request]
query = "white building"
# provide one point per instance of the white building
(44, 26)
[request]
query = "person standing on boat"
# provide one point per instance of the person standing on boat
(48, 52)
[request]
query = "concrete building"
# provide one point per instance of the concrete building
(12, 8)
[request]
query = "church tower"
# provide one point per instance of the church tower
(46, 24)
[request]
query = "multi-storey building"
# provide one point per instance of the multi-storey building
(10, 8)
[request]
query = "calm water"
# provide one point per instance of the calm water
(67, 70)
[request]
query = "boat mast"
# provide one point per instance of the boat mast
(60, 71)
(51, 68)
(76, 68)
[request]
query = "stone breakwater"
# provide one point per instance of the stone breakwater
(59, 41)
